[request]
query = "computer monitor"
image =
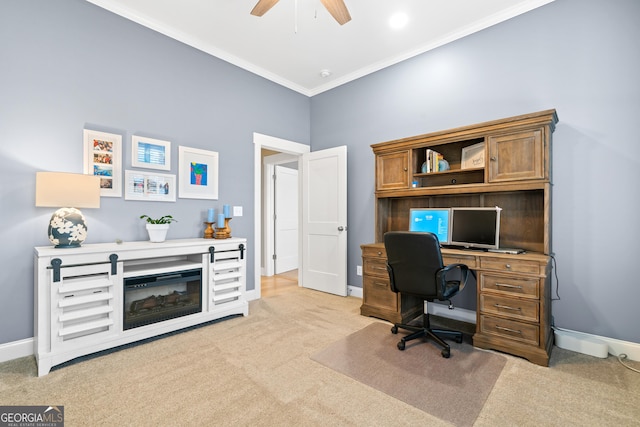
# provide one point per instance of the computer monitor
(475, 227)
(432, 220)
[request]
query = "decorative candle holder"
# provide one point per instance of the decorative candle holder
(208, 231)
(224, 232)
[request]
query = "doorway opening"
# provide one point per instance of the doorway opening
(284, 152)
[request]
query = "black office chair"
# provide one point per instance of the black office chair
(415, 267)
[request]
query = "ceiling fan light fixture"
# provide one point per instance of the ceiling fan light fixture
(325, 73)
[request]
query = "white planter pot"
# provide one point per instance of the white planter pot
(157, 232)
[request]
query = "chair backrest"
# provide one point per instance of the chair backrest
(413, 260)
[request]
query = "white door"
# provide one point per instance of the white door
(286, 219)
(324, 220)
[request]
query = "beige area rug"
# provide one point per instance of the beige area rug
(453, 389)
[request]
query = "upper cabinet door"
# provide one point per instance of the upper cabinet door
(392, 171)
(517, 156)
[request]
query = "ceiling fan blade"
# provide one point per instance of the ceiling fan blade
(263, 7)
(338, 10)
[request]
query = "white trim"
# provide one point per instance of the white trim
(457, 313)
(24, 348)
(354, 291)
(261, 141)
(614, 346)
(16, 349)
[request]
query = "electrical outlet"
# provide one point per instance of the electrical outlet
(359, 270)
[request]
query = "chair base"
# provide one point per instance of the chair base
(427, 332)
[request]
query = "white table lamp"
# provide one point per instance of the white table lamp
(67, 191)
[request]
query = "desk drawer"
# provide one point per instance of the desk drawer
(512, 330)
(519, 309)
(511, 265)
(372, 251)
(510, 285)
(378, 293)
(469, 261)
(375, 267)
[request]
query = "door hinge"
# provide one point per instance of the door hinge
(274, 256)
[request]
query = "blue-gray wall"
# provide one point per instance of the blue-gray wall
(578, 56)
(67, 65)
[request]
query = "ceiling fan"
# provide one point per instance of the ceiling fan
(336, 8)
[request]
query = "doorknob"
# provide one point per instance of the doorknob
(341, 228)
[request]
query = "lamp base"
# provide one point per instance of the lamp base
(67, 228)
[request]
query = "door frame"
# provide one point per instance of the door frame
(261, 141)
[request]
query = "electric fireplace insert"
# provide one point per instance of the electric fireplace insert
(159, 297)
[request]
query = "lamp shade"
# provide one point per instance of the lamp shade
(67, 191)
(61, 189)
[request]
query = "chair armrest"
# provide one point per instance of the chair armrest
(392, 281)
(441, 277)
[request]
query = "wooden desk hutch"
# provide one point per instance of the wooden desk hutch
(514, 301)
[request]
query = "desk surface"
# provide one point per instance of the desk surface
(526, 256)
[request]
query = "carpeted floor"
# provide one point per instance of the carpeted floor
(258, 371)
(453, 389)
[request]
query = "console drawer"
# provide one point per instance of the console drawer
(510, 285)
(511, 265)
(375, 267)
(511, 307)
(509, 329)
(378, 293)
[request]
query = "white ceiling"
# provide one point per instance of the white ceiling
(297, 39)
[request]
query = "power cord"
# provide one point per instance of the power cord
(555, 272)
(622, 357)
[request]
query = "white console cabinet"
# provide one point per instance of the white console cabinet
(80, 302)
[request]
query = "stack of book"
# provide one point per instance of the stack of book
(433, 160)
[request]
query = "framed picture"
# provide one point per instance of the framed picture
(197, 173)
(152, 187)
(473, 156)
(150, 153)
(103, 158)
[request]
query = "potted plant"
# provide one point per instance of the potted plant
(158, 228)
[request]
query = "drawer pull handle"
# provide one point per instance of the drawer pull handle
(509, 330)
(506, 285)
(379, 268)
(506, 307)
(379, 253)
(381, 284)
(507, 266)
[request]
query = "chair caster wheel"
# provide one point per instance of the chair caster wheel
(446, 354)
(394, 330)
(401, 345)
(459, 339)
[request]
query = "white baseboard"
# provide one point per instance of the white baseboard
(251, 295)
(594, 345)
(571, 340)
(354, 291)
(16, 349)
(457, 313)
